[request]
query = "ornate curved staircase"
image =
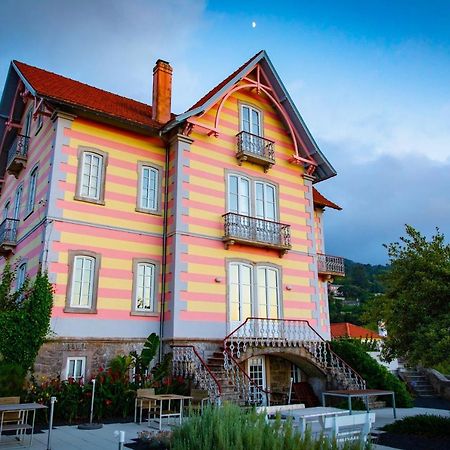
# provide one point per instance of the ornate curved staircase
(231, 380)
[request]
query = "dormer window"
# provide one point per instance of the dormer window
(251, 144)
(251, 120)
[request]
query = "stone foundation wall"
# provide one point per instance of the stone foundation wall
(279, 374)
(52, 358)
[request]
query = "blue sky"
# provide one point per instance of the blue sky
(371, 79)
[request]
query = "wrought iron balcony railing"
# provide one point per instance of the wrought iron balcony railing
(330, 265)
(8, 236)
(17, 155)
(257, 232)
(256, 149)
(188, 363)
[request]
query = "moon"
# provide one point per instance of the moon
(253, 24)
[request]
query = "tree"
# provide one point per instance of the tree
(24, 321)
(415, 306)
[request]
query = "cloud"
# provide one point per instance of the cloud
(380, 196)
(107, 43)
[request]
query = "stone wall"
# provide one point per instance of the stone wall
(52, 357)
(279, 377)
(440, 383)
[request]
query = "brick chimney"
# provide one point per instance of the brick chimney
(162, 91)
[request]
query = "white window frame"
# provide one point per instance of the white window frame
(240, 305)
(251, 124)
(40, 118)
(255, 301)
(21, 275)
(148, 195)
(252, 196)
(32, 187)
(267, 305)
(82, 281)
(90, 175)
(151, 289)
(76, 359)
(27, 123)
(17, 202)
(6, 210)
(296, 373)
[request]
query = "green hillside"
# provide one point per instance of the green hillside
(361, 283)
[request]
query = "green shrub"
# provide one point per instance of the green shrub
(443, 368)
(422, 424)
(376, 376)
(12, 377)
(231, 427)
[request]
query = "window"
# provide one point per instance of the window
(26, 130)
(32, 191)
(149, 190)
(92, 166)
(257, 373)
(250, 120)
(253, 290)
(144, 287)
(91, 175)
(21, 275)
(296, 374)
(252, 197)
(6, 210)
(17, 200)
(40, 118)
(75, 368)
(83, 281)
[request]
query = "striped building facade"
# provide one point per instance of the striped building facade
(187, 226)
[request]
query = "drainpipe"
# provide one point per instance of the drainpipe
(164, 254)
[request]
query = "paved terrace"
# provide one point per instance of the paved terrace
(71, 438)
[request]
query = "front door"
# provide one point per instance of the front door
(257, 373)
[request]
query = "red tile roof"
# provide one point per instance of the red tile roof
(71, 92)
(320, 200)
(216, 89)
(346, 329)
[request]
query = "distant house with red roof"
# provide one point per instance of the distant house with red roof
(205, 227)
(349, 330)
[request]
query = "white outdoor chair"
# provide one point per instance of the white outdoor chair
(349, 427)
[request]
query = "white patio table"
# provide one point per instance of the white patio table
(316, 414)
(21, 423)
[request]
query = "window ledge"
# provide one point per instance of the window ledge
(73, 309)
(148, 211)
(144, 313)
(89, 200)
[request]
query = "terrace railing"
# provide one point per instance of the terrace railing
(330, 265)
(17, 155)
(255, 149)
(257, 232)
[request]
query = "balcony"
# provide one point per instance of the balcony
(255, 149)
(256, 232)
(8, 236)
(330, 265)
(17, 155)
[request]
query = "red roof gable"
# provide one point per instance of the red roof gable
(346, 329)
(71, 92)
(320, 200)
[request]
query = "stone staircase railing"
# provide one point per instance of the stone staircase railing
(188, 363)
(260, 332)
